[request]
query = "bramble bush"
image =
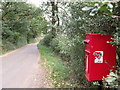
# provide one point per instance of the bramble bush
(111, 81)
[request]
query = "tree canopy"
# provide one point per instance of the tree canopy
(21, 22)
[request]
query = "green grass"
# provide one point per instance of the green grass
(5, 51)
(58, 71)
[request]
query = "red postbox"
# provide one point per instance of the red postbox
(100, 56)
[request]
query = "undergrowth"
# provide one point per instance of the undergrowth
(57, 69)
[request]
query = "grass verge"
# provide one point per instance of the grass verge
(57, 70)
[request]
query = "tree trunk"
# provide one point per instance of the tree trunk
(53, 31)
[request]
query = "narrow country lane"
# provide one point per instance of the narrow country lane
(21, 69)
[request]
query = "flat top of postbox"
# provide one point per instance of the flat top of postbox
(101, 34)
(94, 34)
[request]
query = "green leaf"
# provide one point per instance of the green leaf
(86, 8)
(112, 74)
(110, 5)
(103, 8)
(94, 11)
(110, 79)
(92, 14)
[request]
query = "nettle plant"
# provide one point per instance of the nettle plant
(111, 81)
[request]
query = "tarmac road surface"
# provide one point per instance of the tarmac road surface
(21, 68)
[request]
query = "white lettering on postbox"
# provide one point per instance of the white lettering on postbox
(98, 56)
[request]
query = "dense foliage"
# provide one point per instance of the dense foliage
(76, 19)
(21, 24)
